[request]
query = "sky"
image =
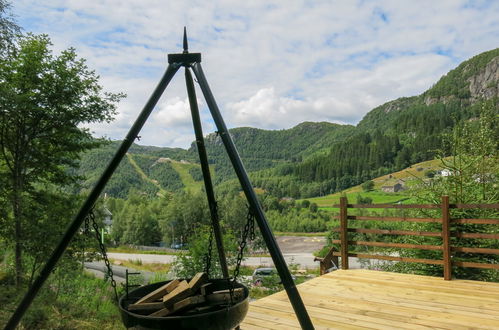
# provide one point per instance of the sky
(270, 64)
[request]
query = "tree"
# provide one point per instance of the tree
(8, 27)
(368, 185)
(44, 101)
(187, 264)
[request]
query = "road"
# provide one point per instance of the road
(295, 249)
(303, 259)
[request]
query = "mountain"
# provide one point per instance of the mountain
(261, 149)
(407, 130)
(316, 158)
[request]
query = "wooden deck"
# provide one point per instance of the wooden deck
(363, 299)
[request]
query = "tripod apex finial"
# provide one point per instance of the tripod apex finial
(186, 48)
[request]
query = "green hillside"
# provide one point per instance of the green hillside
(407, 177)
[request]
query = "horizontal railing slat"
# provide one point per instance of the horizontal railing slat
(418, 206)
(474, 206)
(477, 221)
(396, 245)
(390, 206)
(391, 232)
(475, 235)
(475, 250)
(475, 265)
(392, 258)
(375, 218)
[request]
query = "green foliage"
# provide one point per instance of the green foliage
(69, 300)
(188, 264)
(368, 185)
(364, 200)
(299, 220)
(183, 214)
(261, 149)
(8, 28)
(196, 173)
(166, 176)
(137, 220)
(430, 174)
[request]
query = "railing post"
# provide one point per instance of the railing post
(446, 238)
(344, 232)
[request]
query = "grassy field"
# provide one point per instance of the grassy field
(183, 171)
(139, 265)
(377, 197)
(128, 249)
(408, 177)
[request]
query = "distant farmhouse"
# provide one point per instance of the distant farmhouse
(393, 189)
(445, 172)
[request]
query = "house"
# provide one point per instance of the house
(393, 189)
(445, 172)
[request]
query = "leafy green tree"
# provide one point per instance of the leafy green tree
(8, 28)
(313, 207)
(368, 185)
(188, 264)
(363, 199)
(44, 101)
(183, 214)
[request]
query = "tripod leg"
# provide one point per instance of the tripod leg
(203, 158)
(92, 197)
(267, 234)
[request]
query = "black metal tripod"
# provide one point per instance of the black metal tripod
(189, 61)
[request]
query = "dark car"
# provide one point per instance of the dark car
(261, 276)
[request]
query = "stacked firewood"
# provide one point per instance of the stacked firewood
(180, 297)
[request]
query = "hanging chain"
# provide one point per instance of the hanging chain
(252, 235)
(86, 225)
(207, 256)
(248, 230)
(91, 217)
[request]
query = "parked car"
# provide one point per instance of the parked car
(261, 276)
(178, 246)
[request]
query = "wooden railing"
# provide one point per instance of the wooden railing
(445, 233)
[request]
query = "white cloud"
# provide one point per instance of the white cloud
(270, 64)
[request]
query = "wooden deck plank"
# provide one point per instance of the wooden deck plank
(420, 316)
(421, 279)
(322, 316)
(411, 294)
(421, 286)
(385, 303)
(360, 299)
(414, 294)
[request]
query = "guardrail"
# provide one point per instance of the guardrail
(445, 233)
